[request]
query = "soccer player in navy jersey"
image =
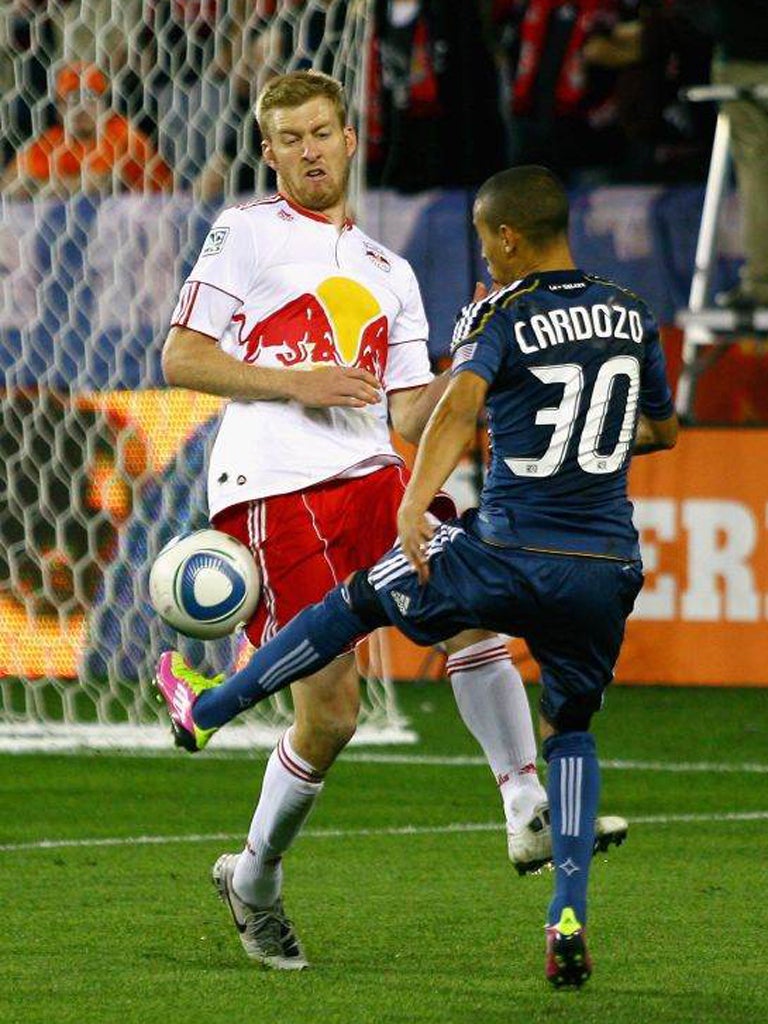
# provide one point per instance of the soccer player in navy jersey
(571, 371)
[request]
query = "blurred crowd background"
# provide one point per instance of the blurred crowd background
(454, 89)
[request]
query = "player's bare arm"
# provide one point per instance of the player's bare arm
(409, 410)
(655, 435)
(195, 361)
(449, 432)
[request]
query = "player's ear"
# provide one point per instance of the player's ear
(509, 239)
(350, 140)
(266, 152)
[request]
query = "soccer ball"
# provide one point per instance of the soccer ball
(204, 584)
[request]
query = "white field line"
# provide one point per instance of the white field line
(350, 833)
(623, 766)
(371, 757)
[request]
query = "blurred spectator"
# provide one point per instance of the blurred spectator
(668, 46)
(90, 150)
(563, 106)
(161, 58)
(440, 120)
(741, 59)
(112, 36)
(30, 44)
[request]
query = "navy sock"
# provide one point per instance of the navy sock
(573, 787)
(310, 641)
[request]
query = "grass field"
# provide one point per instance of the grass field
(113, 918)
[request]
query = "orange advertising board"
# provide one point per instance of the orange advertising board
(702, 513)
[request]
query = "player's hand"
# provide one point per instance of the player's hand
(482, 291)
(414, 532)
(336, 385)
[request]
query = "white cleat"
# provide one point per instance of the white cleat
(610, 830)
(265, 932)
(530, 848)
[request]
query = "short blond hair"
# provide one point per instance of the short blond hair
(296, 88)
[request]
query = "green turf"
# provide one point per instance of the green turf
(401, 928)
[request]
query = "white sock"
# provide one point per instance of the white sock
(289, 790)
(491, 700)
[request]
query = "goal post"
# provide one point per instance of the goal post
(100, 464)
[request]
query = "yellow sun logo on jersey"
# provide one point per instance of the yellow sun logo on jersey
(351, 309)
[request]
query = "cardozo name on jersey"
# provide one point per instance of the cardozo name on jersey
(578, 323)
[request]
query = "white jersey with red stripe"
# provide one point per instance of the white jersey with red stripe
(279, 286)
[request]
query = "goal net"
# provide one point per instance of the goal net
(100, 463)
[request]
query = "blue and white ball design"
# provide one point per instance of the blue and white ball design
(204, 584)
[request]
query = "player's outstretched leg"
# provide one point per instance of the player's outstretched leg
(265, 932)
(573, 785)
(199, 706)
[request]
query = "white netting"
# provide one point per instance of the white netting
(100, 464)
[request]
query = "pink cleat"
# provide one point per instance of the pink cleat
(180, 686)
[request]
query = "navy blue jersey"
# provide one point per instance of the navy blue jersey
(571, 360)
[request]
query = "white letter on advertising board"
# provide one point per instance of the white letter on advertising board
(721, 581)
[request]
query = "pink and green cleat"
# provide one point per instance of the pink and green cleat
(180, 686)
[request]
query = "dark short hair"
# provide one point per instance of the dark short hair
(530, 199)
(294, 89)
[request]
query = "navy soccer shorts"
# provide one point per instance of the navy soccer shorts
(570, 609)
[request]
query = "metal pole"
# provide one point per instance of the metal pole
(694, 334)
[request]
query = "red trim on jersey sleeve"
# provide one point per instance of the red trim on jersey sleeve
(185, 305)
(208, 284)
(204, 308)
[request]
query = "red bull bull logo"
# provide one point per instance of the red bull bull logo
(341, 323)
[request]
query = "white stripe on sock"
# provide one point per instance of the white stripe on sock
(292, 673)
(293, 670)
(563, 800)
(299, 653)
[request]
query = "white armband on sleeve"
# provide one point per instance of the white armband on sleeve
(204, 308)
